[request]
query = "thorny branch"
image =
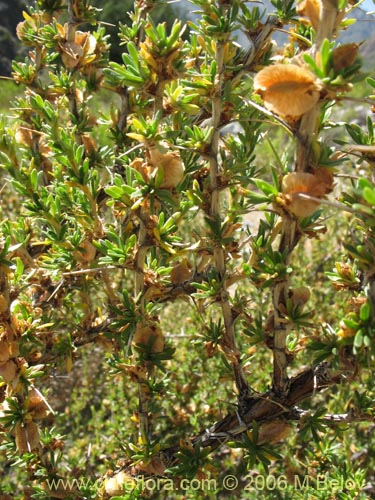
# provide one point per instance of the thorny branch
(267, 407)
(228, 340)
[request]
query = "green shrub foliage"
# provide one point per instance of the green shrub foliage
(187, 256)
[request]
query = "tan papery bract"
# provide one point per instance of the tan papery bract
(170, 163)
(27, 437)
(310, 9)
(149, 333)
(119, 483)
(302, 183)
(8, 371)
(287, 89)
(181, 272)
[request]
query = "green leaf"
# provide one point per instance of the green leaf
(365, 311)
(310, 61)
(114, 192)
(369, 195)
(19, 268)
(325, 55)
(133, 52)
(363, 183)
(351, 324)
(264, 186)
(358, 339)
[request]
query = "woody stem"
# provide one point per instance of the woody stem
(307, 128)
(290, 232)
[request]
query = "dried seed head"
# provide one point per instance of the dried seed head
(287, 89)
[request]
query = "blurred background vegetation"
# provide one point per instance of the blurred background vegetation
(114, 12)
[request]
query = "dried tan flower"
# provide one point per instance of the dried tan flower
(325, 177)
(345, 331)
(79, 52)
(86, 252)
(89, 144)
(32, 22)
(274, 431)
(287, 89)
(4, 302)
(4, 351)
(24, 136)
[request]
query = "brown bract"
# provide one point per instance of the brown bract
(181, 272)
(344, 56)
(300, 295)
(287, 89)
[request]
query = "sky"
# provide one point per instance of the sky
(368, 5)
